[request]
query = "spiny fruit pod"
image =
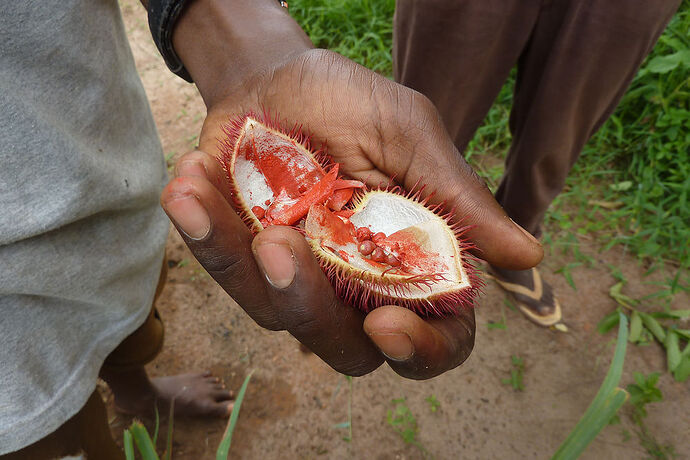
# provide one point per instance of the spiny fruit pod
(377, 247)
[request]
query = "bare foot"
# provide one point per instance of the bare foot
(200, 394)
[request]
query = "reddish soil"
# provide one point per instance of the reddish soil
(294, 400)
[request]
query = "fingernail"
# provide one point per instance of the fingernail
(190, 168)
(396, 346)
(277, 262)
(190, 216)
(528, 234)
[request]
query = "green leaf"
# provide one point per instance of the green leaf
(606, 403)
(682, 371)
(129, 445)
(672, 314)
(680, 314)
(653, 326)
(224, 447)
(672, 351)
(608, 322)
(616, 294)
(143, 441)
(664, 64)
(621, 186)
(635, 327)
(567, 274)
(685, 333)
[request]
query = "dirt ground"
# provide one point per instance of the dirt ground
(295, 401)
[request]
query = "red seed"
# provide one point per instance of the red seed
(378, 237)
(363, 234)
(378, 255)
(259, 212)
(366, 247)
(267, 202)
(392, 260)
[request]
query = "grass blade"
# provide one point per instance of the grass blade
(155, 430)
(224, 447)
(129, 445)
(143, 441)
(606, 403)
(168, 442)
(597, 420)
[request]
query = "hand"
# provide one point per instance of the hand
(377, 130)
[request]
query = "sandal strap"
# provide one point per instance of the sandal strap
(535, 293)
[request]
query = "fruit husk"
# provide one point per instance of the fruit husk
(265, 163)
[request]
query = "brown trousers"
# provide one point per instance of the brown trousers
(575, 59)
(88, 430)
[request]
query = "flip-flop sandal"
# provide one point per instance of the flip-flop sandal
(528, 300)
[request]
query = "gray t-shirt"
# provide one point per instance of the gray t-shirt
(81, 232)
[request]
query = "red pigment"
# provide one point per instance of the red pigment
(280, 203)
(405, 243)
(363, 233)
(344, 183)
(316, 195)
(259, 212)
(345, 213)
(339, 198)
(375, 264)
(378, 237)
(283, 164)
(326, 226)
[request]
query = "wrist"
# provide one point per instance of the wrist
(225, 43)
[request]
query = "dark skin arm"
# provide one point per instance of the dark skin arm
(249, 55)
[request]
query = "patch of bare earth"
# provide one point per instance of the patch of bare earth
(294, 400)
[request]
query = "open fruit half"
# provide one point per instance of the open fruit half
(378, 247)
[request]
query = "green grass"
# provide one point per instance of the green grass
(403, 422)
(517, 373)
(362, 30)
(631, 185)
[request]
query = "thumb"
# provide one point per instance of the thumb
(308, 307)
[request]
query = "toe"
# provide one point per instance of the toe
(221, 409)
(221, 395)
